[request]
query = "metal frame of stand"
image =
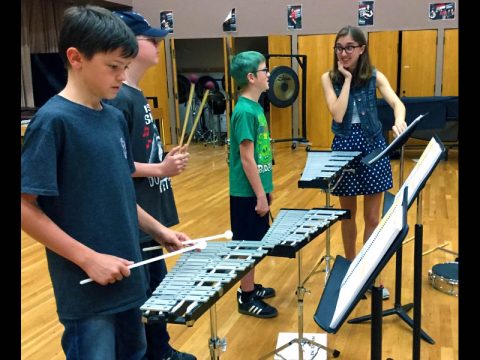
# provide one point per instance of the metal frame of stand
(399, 309)
(217, 345)
(301, 340)
(327, 257)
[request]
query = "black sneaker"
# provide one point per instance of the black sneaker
(263, 292)
(256, 307)
(173, 354)
(259, 292)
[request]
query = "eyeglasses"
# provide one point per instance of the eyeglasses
(154, 41)
(348, 49)
(265, 70)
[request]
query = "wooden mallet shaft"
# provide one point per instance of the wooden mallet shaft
(199, 113)
(187, 112)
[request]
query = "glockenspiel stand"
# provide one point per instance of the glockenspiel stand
(301, 340)
(327, 238)
(216, 345)
(327, 257)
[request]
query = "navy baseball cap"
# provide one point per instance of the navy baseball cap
(139, 25)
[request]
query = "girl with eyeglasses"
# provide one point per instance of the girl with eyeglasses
(350, 93)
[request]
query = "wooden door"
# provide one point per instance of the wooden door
(173, 58)
(319, 51)
(383, 51)
(154, 87)
(419, 55)
(450, 63)
(280, 118)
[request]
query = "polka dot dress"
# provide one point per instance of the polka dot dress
(367, 179)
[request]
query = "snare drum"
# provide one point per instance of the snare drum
(444, 277)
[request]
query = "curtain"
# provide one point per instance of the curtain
(41, 22)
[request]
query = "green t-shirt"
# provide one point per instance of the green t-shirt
(248, 122)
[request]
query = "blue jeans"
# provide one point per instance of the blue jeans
(157, 334)
(118, 336)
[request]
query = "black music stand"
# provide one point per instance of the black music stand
(368, 160)
(399, 141)
(415, 182)
(350, 279)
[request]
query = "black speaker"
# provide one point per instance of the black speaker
(49, 76)
(183, 88)
(218, 103)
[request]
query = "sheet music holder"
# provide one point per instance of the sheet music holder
(424, 167)
(349, 280)
(395, 144)
(330, 301)
(415, 182)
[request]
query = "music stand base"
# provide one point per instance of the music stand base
(401, 311)
(295, 141)
(302, 142)
(302, 342)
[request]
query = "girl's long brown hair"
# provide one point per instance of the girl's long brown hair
(363, 70)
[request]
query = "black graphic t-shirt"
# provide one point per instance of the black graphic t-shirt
(154, 194)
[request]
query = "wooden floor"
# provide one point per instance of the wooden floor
(202, 200)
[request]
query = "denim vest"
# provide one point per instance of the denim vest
(366, 101)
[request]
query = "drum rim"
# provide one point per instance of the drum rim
(436, 281)
(446, 262)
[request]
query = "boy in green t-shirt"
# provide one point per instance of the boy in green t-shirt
(250, 174)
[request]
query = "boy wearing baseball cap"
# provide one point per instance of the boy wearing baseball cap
(153, 168)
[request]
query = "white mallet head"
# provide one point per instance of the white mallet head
(201, 245)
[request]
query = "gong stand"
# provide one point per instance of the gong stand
(302, 62)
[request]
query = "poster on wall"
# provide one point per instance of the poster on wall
(365, 13)
(166, 21)
(441, 11)
(230, 23)
(294, 16)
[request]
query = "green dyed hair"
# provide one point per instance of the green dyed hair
(244, 63)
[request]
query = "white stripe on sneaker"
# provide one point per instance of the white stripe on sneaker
(260, 292)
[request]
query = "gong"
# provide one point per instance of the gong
(283, 86)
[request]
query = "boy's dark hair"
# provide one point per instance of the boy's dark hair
(93, 29)
(363, 70)
(244, 63)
